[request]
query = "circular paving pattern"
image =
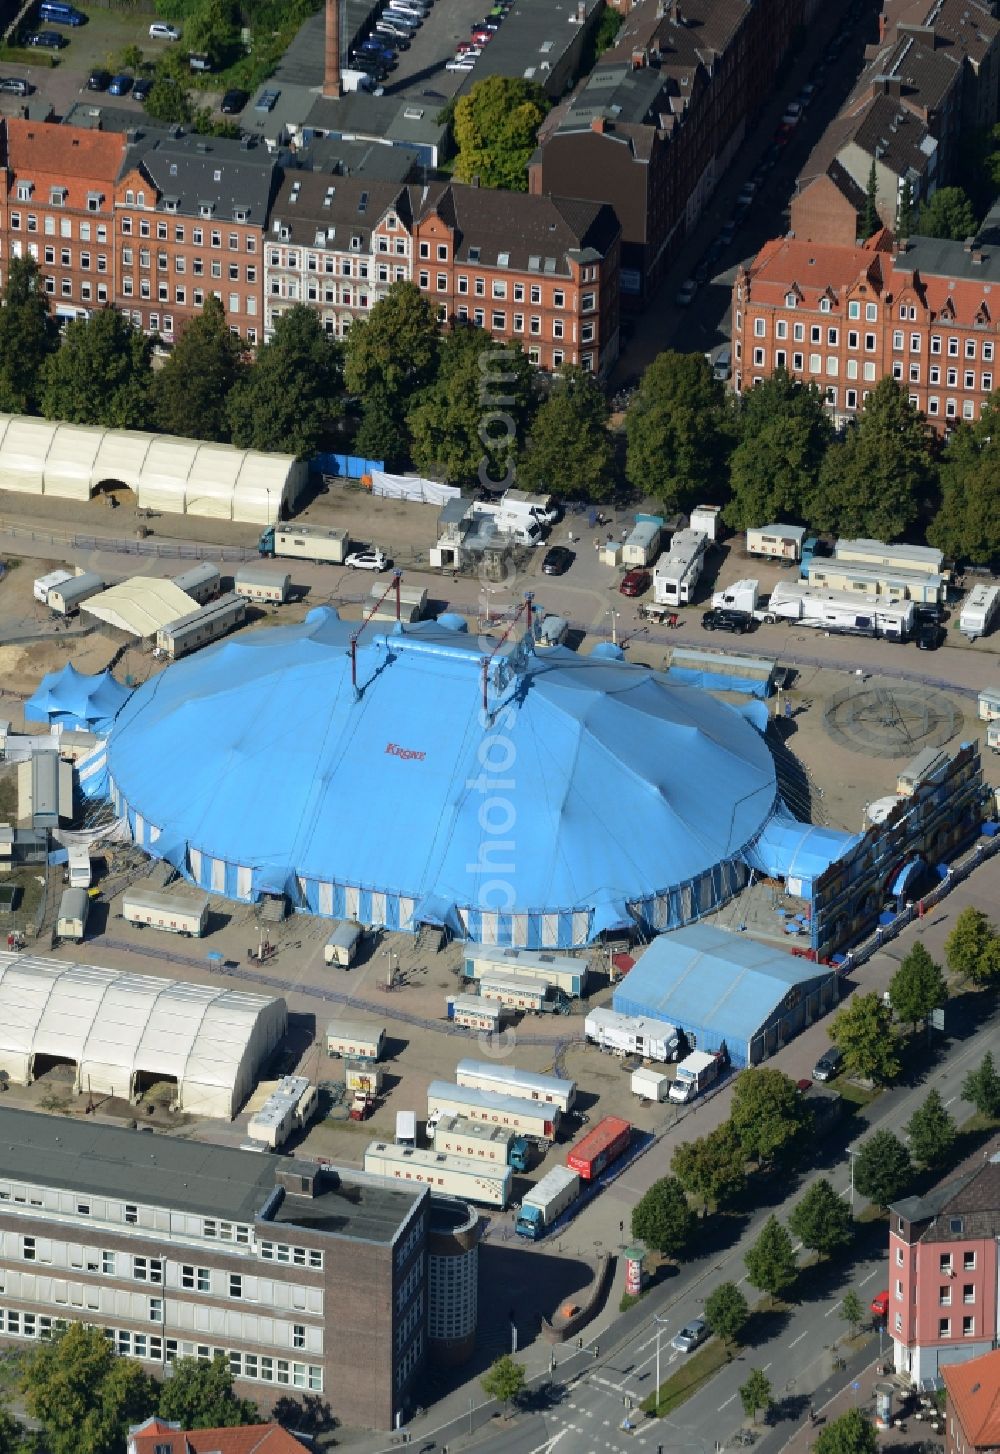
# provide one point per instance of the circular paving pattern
(887, 718)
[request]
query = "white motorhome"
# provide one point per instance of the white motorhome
(676, 574)
(979, 611)
(44, 584)
(79, 867)
(838, 612)
(632, 1035)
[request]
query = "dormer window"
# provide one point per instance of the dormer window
(790, 300)
(57, 196)
(241, 214)
(94, 200)
(824, 305)
(24, 191)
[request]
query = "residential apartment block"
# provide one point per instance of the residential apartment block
(973, 1413)
(539, 270)
(844, 317)
(307, 1279)
(943, 1269)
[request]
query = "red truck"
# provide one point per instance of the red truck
(604, 1144)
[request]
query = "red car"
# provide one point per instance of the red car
(634, 582)
(880, 1305)
(482, 37)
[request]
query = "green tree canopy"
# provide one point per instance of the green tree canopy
(496, 127)
(102, 374)
(948, 214)
(726, 1311)
(381, 434)
(852, 1311)
(711, 1168)
(210, 29)
(471, 422)
(169, 102)
(770, 1261)
(879, 478)
(870, 220)
(81, 1392)
(784, 432)
(981, 1087)
(822, 1220)
(852, 1433)
(678, 432)
(287, 401)
(395, 349)
(14, 1438)
(970, 949)
(882, 1168)
(199, 1395)
(662, 1218)
(932, 1131)
(28, 336)
(967, 525)
(917, 987)
(755, 1393)
(570, 451)
(767, 1113)
(503, 1380)
(863, 1031)
(191, 391)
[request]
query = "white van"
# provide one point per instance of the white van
(159, 30)
(79, 868)
(723, 366)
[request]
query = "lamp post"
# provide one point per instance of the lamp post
(614, 625)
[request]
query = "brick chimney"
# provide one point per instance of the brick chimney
(331, 70)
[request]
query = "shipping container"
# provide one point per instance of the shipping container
(600, 1147)
(450, 1175)
(70, 595)
(74, 909)
(559, 970)
(342, 946)
(477, 1141)
(358, 1039)
(706, 519)
(198, 628)
(632, 1034)
(508, 1080)
(546, 1201)
(202, 582)
(263, 583)
(144, 907)
(527, 1118)
(475, 1013)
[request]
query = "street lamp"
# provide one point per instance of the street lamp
(614, 625)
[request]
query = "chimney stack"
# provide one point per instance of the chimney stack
(331, 71)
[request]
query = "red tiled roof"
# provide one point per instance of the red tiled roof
(974, 1396)
(69, 156)
(248, 1439)
(813, 268)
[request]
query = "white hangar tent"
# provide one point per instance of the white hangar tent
(141, 606)
(124, 1031)
(175, 476)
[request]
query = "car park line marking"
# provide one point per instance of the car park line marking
(868, 1278)
(949, 1101)
(728, 1401)
(796, 1340)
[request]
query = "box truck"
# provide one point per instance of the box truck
(632, 1035)
(695, 1072)
(305, 542)
(472, 1012)
(476, 1141)
(147, 909)
(454, 1176)
(546, 1202)
(979, 611)
(359, 1039)
(74, 907)
(600, 1147)
(528, 1118)
(650, 1085)
(508, 1080)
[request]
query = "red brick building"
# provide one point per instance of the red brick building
(923, 311)
(973, 1415)
(57, 190)
(157, 1436)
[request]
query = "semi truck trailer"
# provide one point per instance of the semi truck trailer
(453, 1175)
(546, 1202)
(476, 1141)
(528, 1118)
(600, 1147)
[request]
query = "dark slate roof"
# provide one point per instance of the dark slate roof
(197, 171)
(939, 257)
(533, 39)
(897, 138)
(373, 160)
(534, 233)
(340, 207)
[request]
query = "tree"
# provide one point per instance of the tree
(870, 220)
(756, 1393)
(472, 421)
(906, 219)
(852, 1433)
(102, 374)
(882, 1168)
(948, 214)
(877, 481)
(82, 1393)
(28, 336)
(821, 1220)
(662, 1218)
(767, 1112)
(932, 1131)
(726, 1311)
(169, 102)
(13, 1437)
(917, 987)
(784, 433)
(381, 434)
(191, 392)
(570, 451)
(503, 1380)
(970, 947)
(863, 1031)
(496, 129)
(711, 1168)
(967, 525)
(981, 1087)
(288, 400)
(200, 1395)
(395, 349)
(210, 29)
(852, 1311)
(770, 1261)
(677, 431)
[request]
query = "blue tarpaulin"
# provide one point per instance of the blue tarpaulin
(77, 701)
(711, 681)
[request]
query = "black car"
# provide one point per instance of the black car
(233, 102)
(927, 634)
(141, 88)
(722, 618)
(48, 40)
(98, 80)
(557, 560)
(828, 1064)
(15, 86)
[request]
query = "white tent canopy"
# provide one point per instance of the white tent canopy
(115, 1027)
(171, 475)
(142, 605)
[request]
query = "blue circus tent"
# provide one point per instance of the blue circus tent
(76, 700)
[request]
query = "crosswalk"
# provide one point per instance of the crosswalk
(592, 1433)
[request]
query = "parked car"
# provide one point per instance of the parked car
(461, 63)
(98, 80)
(690, 1336)
(927, 635)
(396, 37)
(482, 37)
(47, 40)
(557, 560)
(367, 560)
(159, 30)
(685, 293)
(234, 101)
(120, 85)
(141, 88)
(828, 1064)
(880, 1305)
(728, 232)
(634, 582)
(723, 618)
(15, 86)
(747, 193)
